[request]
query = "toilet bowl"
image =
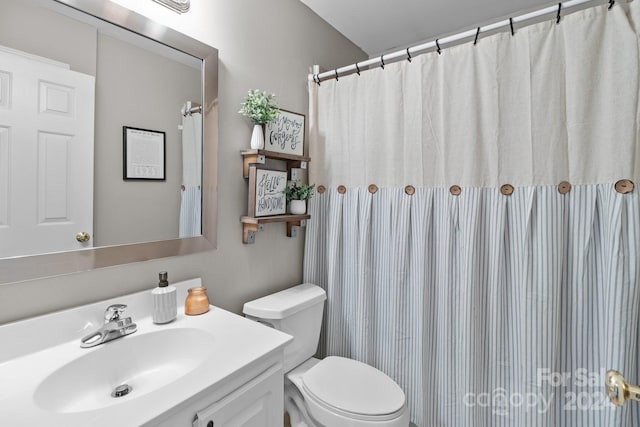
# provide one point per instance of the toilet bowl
(341, 392)
(332, 392)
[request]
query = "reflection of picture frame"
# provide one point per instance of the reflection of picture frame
(143, 154)
(266, 197)
(285, 133)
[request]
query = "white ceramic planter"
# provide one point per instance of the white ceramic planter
(257, 137)
(298, 207)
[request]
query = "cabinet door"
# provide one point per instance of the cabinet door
(259, 403)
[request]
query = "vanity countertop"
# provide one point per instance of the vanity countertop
(224, 351)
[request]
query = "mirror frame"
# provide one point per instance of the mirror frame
(16, 269)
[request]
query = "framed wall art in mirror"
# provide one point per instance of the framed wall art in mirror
(144, 154)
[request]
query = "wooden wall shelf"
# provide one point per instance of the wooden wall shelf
(251, 225)
(258, 157)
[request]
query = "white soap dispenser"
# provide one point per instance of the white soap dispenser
(165, 304)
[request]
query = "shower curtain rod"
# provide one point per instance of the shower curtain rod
(437, 45)
(191, 108)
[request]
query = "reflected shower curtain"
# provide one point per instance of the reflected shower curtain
(191, 201)
(488, 309)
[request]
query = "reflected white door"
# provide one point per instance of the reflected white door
(46, 155)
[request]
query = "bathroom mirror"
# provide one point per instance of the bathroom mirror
(198, 62)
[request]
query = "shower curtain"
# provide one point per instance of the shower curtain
(191, 200)
(490, 305)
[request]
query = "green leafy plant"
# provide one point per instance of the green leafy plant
(298, 191)
(259, 107)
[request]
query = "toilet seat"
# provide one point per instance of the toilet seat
(353, 389)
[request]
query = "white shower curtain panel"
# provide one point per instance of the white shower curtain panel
(487, 309)
(553, 102)
(191, 197)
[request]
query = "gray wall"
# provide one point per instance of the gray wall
(137, 88)
(23, 26)
(262, 44)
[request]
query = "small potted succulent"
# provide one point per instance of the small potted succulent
(261, 108)
(297, 195)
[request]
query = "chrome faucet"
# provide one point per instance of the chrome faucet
(114, 327)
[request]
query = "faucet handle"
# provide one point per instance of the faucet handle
(114, 311)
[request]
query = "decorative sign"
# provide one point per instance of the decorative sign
(265, 192)
(285, 133)
(143, 154)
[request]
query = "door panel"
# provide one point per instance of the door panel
(53, 182)
(46, 156)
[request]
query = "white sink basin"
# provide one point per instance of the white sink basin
(145, 362)
(174, 369)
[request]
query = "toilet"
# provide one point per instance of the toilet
(332, 392)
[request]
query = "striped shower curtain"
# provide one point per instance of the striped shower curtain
(488, 307)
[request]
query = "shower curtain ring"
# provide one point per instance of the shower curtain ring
(316, 78)
(336, 71)
(611, 3)
(511, 26)
(475, 40)
(438, 47)
(408, 55)
(559, 10)
(382, 61)
(357, 69)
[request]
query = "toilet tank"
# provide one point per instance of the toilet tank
(296, 311)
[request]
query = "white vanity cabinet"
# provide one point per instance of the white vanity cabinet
(257, 403)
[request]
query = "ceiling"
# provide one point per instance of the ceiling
(380, 26)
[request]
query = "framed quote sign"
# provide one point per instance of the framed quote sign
(285, 133)
(266, 195)
(143, 154)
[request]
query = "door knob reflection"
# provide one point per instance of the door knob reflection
(618, 390)
(83, 237)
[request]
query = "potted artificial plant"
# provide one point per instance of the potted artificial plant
(261, 108)
(297, 195)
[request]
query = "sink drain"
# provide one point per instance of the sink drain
(121, 390)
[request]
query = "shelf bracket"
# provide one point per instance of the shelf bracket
(302, 164)
(249, 233)
(293, 227)
(251, 159)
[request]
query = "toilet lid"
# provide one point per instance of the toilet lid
(353, 387)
